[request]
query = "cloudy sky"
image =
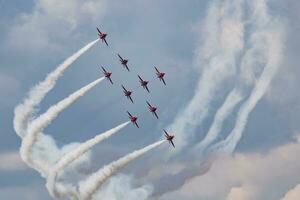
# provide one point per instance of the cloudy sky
(231, 98)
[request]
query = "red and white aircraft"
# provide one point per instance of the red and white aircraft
(127, 93)
(144, 83)
(152, 109)
(133, 119)
(160, 75)
(107, 74)
(123, 62)
(102, 36)
(169, 138)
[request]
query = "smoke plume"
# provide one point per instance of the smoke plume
(24, 112)
(74, 154)
(96, 180)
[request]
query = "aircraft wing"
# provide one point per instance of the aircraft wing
(110, 80)
(148, 104)
(147, 89)
(130, 99)
(103, 69)
(172, 143)
(105, 41)
(98, 30)
(126, 67)
(120, 57)
(124, 88)
(155, 114)
(163, 80)
(156, 70)
(129, 114)
(166, 132)
(136, 124)
(140, 78)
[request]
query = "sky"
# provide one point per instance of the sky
(206, 48)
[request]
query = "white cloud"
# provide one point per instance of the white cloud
(120, 188)
(9, 88)
(29, 192)
(293, 194)
(52, 21)
(11, 161)
(239, 193)
(251, 176)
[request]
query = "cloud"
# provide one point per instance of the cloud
(52, 21)
(9, 88)
(293, 194)
(238, 193)
(29, 192)
(246, 176)
(11, 161)
(120, 188)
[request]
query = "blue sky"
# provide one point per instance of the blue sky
(38, 35)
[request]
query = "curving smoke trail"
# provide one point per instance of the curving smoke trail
(263, 38)
(267, 41)
(222, 38)
(74, 154)
(24, 112)
(36, 127)
(257, 62)
(233, 98)
(90, 186)
(228, 145)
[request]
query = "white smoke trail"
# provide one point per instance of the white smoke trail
(24, 111)
(94, 182)
(222, 34)
(233, 98)
(36, 126)
(267, 41)
(74, 154)
(120, 187)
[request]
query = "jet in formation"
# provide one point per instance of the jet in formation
(133, 119)
(123, 62)
(160, 75)
(102, 36)
(144, 84)
(169, 138)
(127, 93)
(107, 74)
(152, 109)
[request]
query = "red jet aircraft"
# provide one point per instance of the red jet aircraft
(127, 93)
(123, 62)
(102, 36)
(152, 109)
(107, 74)
(133, 119)
(169, 138)
(160, 75)
(144, 83)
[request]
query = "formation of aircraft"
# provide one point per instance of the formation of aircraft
(152, 109)
(144, 83)
(107, 74)
(127, 93)
(133, 119)
(102, 36)
(160, 75)
(169, 138)
(123, 62)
